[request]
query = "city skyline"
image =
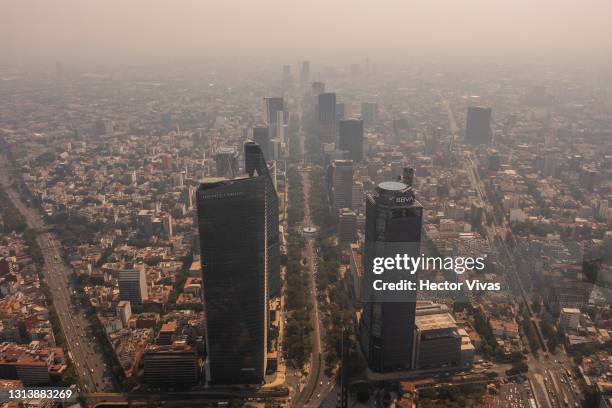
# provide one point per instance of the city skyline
(306, 204)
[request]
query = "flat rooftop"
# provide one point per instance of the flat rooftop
(435, 322)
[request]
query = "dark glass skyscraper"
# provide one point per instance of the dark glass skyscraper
(393, 225)
(261, 136)
(236, 226)
(351, 138)
(326, 115)
(273, 105)
(255, 165)
(478, 125)
(231, 216)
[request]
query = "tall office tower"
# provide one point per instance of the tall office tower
(317, 89)
(393, 226)
(287, 74)
(255, 165)
(401, 129)
(280, 126)
(476, 214)
(347, 226)
(167, 226)
(226, 161)
(478, 125)
(261, 136)
(133, 286)
(239, 241)
(358, 196)
(351, 138)
(232, 223)
(145, 223)
(273, 172)
(433, 139)
(342, 185)
(305, 73)
(369, 113)
(99, 129)
(548, 163)
(589, 177)
(326, 115)
(340, 112)
(272, 106)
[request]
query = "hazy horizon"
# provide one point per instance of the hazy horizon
(140, 31)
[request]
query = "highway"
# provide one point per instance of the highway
(86, 356)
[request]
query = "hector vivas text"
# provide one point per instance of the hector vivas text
(410, 265)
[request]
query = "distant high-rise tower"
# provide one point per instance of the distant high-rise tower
(351, 138)
(369, 113)
(256, 166)
(261, 136)
(238, 226)
(342, 184)
(272, 106)
(133, 286)
(340, 112)
(305, 73)
(478, 125)
(326, 114)
(279, 129)
(393, 226)
(287, 74)
(226, 161)
(347, 226)
(317, 89)
(401, 129)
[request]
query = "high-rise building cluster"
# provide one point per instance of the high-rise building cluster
(153, 213)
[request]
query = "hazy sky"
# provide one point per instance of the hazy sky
(132, 31)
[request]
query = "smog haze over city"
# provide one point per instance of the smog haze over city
(328, 204)
(141, 31)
